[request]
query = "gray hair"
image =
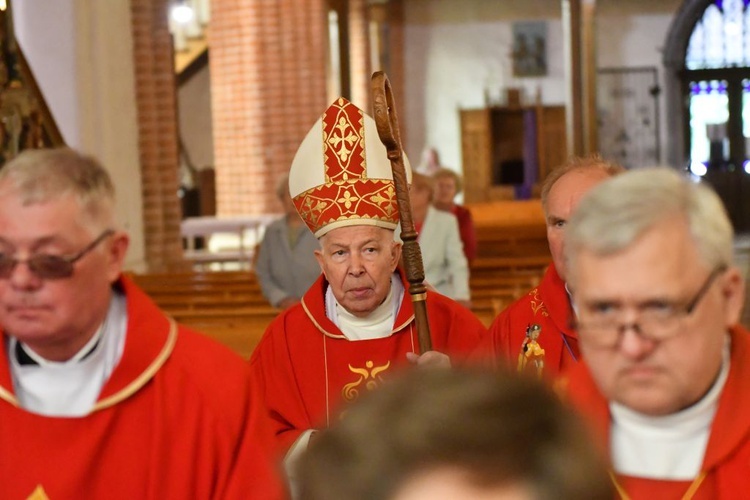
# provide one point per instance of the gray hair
(282, 187)
(444, 172)
(615, 213)
(40, 175)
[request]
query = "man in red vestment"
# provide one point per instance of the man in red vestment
(355, 326)
(101, 394)
(665, 365)
(546, 308)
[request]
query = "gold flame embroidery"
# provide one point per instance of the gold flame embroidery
(369, 375)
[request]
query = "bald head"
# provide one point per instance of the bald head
(562, 191)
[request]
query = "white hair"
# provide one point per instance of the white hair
(616, 212)
(40, 175)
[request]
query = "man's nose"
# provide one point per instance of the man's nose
(633, 343)
(22, 277)
(356, 264)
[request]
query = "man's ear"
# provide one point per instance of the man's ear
(116, 251)
(319, 258)
(395, 254)
(733, 289)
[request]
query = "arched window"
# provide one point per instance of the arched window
(716, 86)
(721, 39)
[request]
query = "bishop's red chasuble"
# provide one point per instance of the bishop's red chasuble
(170, 423)
(725, 472)
(304, 366)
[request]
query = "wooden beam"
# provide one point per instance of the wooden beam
(580, 70)
(588, 69)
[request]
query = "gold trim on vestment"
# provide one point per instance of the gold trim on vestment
(8, 396)
(689, 494)
(147, 374)
(317, 325)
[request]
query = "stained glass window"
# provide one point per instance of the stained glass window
(709, 113)
(721, 38)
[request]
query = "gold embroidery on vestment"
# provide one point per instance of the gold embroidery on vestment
(369, 376)
(38, 494)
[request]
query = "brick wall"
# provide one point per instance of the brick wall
(268, 85)
(157, 134)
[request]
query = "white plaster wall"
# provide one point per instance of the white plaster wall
(194, 108)
(45, 31)
(81, 53)
(450, 67)
(108, 119)
(632, 41)
(454, 50)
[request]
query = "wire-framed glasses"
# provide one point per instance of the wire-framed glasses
(601, 323)
(47, 266)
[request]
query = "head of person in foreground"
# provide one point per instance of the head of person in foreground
(459, 435)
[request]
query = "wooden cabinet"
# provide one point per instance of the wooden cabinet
(508, 151)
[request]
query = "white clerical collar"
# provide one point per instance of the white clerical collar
(670, 446)
(70, 388)
(377, 325)
(85, 351)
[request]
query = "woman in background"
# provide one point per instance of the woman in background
(447, 185)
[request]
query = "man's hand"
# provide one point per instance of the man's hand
(431, 359)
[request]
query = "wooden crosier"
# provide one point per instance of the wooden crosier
(387, 124)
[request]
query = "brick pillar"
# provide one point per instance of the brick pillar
(157, 134)
(268, 86)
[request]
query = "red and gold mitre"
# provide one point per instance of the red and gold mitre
(341, 175)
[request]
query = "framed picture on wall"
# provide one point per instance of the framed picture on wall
(529, 48)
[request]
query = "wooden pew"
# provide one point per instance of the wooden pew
(229, 306)
(510, 228)
(487, 308)
(490, 281)
(225, 305)
(484, 267)
(197, 278)
(195, 301)
(240, 329)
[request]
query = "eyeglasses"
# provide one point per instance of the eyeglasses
(657, 320)
(46, 266)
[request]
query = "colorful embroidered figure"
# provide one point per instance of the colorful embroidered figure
(531, 350)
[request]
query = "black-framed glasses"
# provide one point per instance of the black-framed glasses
(47, 266)
(657, 320)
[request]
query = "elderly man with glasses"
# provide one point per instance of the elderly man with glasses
(658, 299)
(101, 394)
